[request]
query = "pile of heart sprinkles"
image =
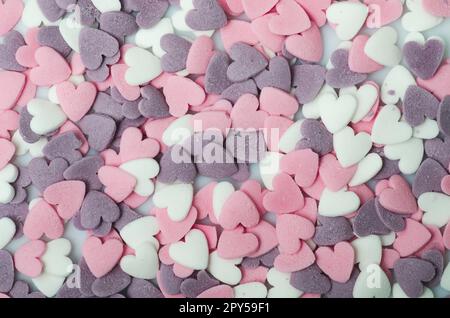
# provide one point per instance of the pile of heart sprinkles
(203, 151)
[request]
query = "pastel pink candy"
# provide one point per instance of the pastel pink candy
(232, 7)
(132, 146)
(100, 257)
(237, 31)
(9, 121)
(267, 237)
(333, 174)
(111, 158)
(29, 91)
(398, 197)
(25, 54)
(286, 197)
(307, 46)
(256, 8)
(245, 113)
(7, 150)
(412, 238)
(52, 68)
(358, 61)
(439, 8)
(316, 189)
(203, 202)
(291, 231)
(155, 129)
(118, 183)
(291, 18)
(435, 243)
(384, 12)
(128, 92)
(236, 244)
(216, 120)
(389, 257)
(10, 13)
(288, 263)
(304, 164)
(180, 93)
(260, 27)
(134, 200)
(239, 209)
(27, 258)
(43, 220)
(199, 55)
(221, 291)
(12, 84)
(170, 231)
(250, 275)
(67, 196)
(438, 83)
(316, 10)
(253, 189)
(277, 102)
(309, 211)
(338, 263)
(76, 64)
(76, 101)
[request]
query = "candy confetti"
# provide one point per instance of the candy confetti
(218, 148)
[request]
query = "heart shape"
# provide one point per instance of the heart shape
(348, 16)
(316, 10)
(76, 101)
(335, 112)
(410, 154)
(46, 116)
(308, 81)
(11, 12)
(64, 145)
(364, 290)
(153, 103)
(381, 47)
(44, 174)
(304, 164)
(176, 92)
(398, 197)
(42, 220)
(67, 196)
(307, 46)
(351, 153)
(240, 113)
(97, 208)
(435, 207)
(247, 62)
(236, 244)
(177, 50)
(55, 259)
(140, 231)
(224, 270)
(95, 46)
(337, 263)
(100, 257)
(179, 209)
(424, 59)
(200, 53)
(27, 258)
(149, 13)
(387, 129)
(143, 170)
(340, 226)
(206, 15)
(368, 221)
(132, 146)
(418, 19)
(52, 68)
(277, 102)
(291, 19)
(395, 84)
(237, 209)
(100, 130)
(412, 273)
(418, 105)
(286, 196)
(143, 66)
(193, 252)
(291, 231)
(339, 203)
